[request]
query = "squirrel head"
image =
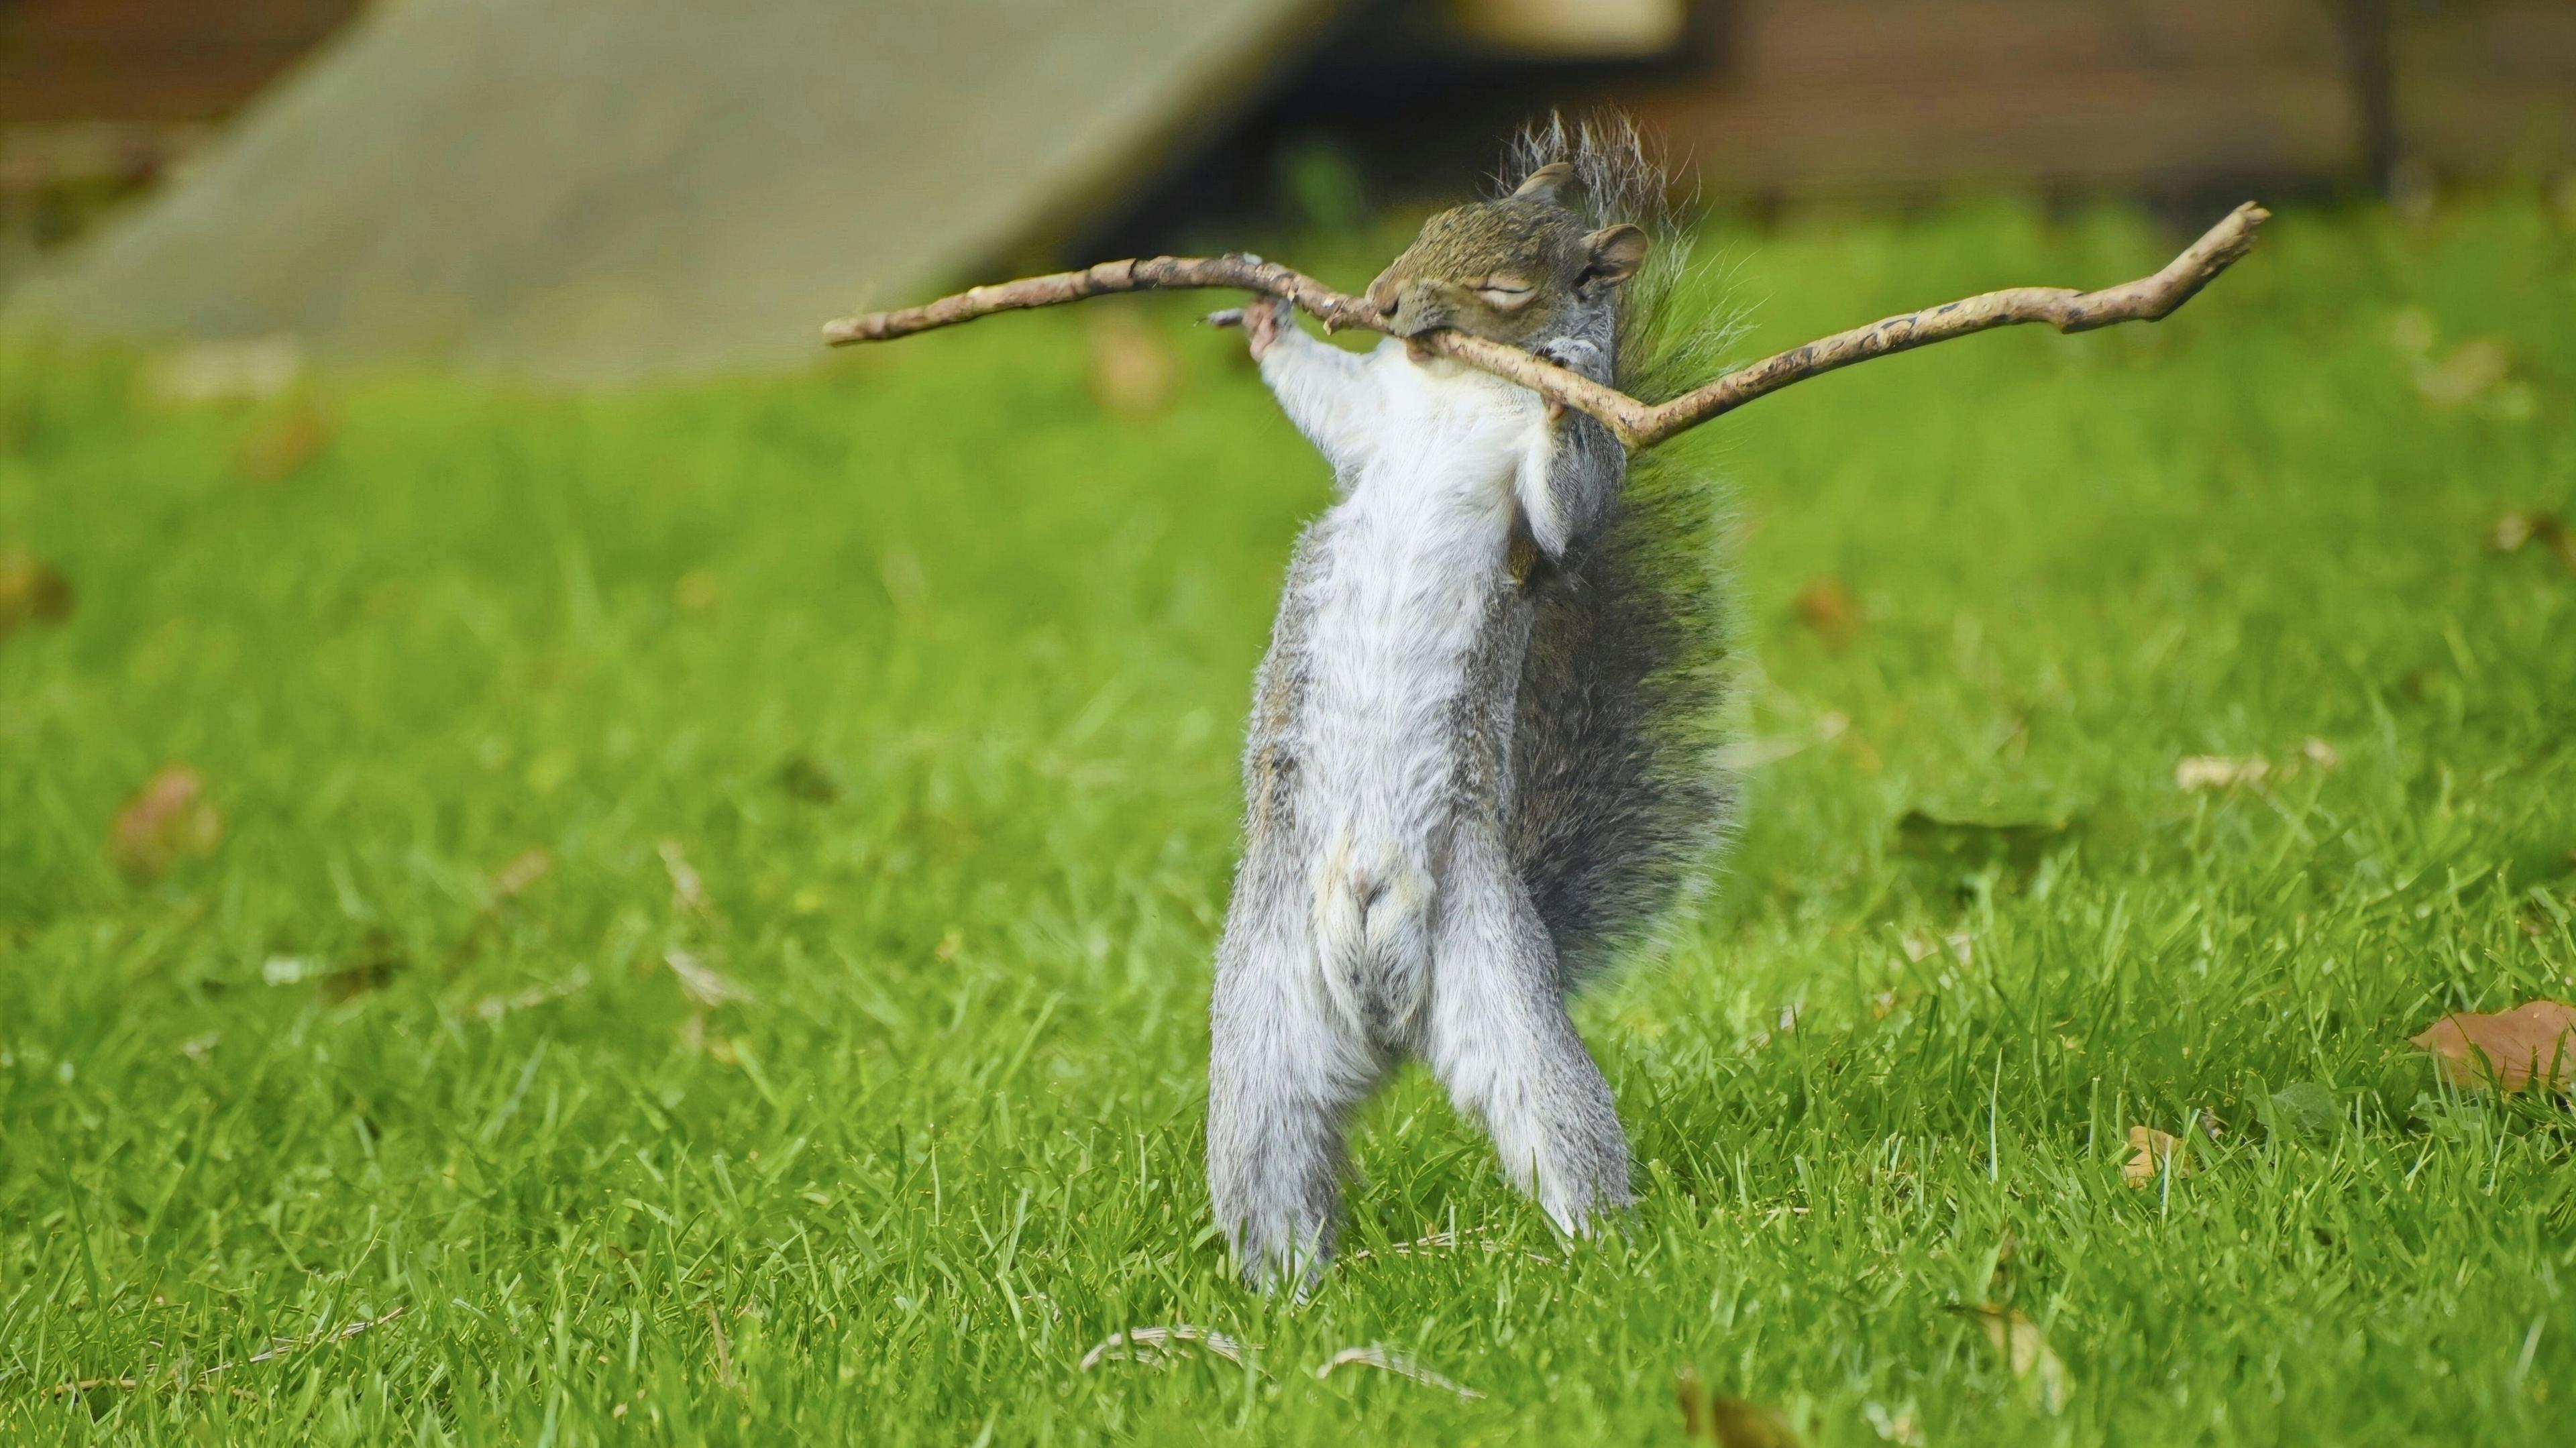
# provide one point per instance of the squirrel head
(1520, 270)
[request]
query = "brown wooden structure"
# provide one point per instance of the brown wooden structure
(591, 188)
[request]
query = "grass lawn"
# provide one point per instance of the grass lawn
(901, 700)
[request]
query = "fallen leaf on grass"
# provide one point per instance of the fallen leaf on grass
(1729, 1422)
(1396, 1363)
(1828, 607)
(2533, 1042)
(2211, 771)
(2026, 1351)
(2150, 1151)
(277, 448)
(1131, 368)
(704, 984)
(524, 870)
(31, 591)
(687, 890)
(2473, 369)
(493, 1008)
(169, 819)
(2515, 530)
(1153, 1344)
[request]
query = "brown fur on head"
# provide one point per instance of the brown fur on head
(1516, 270)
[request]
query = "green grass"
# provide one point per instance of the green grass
(934, 673)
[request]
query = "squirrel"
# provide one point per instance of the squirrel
(1482, 757)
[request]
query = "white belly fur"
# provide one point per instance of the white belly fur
(1415, 552)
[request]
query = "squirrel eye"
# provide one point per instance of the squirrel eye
(1504, 294)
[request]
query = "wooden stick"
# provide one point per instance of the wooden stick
(1639, 425)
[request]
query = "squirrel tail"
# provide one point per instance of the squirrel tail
(1621, 798)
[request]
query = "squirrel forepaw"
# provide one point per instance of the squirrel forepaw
(1263, 320)
(1569, 352)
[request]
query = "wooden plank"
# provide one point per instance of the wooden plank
(2106, 127)
(151, 60)
(599, 189)
(2007, 41)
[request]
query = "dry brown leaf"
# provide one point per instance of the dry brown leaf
(279, 447)
(1729, 1422)
(2474, 368)
(1131, 367)
(526, 869)
(31, 591)
(2514, 531)
(2211, 771)
(2150, 1150)
(168, 819)
(2026, 1351)
(1828, 607)
(2535, 1041)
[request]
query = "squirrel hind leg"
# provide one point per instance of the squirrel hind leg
(1285, 1070)
(1499, 1039)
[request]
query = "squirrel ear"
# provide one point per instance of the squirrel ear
(1545, 182)
(1616, 253)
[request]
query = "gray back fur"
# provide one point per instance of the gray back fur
(1620, 799)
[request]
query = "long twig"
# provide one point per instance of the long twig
(1638, 424)
(1148, 1343)
(1396, 1363)
(280, 1347)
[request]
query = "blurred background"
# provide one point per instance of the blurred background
(592, 190)
(536, 799)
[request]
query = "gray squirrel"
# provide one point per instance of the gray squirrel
(1481, 758)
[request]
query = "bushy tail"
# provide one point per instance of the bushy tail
(1620, 798)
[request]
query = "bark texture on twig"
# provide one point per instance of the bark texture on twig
(1638, 424)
